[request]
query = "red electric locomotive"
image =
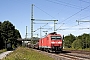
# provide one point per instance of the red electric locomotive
(52, 42)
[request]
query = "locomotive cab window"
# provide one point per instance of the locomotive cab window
(55, 37)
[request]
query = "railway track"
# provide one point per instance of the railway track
(80, 52)
(67, 55)
(76, 56)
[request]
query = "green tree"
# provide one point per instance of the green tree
(89, 41)
(17, 35)
(8, 34)
(1, 41)
(86, 40)
(7, 31)
(77, 44)
(68, 40)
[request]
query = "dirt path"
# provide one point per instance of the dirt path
(4, 54)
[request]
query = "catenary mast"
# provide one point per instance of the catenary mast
(32, 24)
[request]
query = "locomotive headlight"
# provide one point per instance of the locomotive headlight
(59, 42)
(53, 42)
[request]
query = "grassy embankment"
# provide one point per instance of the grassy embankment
(87, 49)
(23, 53)
(3, 50)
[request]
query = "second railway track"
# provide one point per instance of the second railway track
(66, 56)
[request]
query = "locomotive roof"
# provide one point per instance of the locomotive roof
(53, 33)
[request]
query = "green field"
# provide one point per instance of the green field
(23, 53)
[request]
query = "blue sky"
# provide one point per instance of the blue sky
(66, 12)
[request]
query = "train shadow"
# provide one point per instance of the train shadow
(64, 52)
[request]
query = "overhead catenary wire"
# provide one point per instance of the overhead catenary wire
(84, 17)
(82, 21)
(65, 4)
(59, 27)
(46, 20)
(84, 1)
(81, 29)
(74, 30)
(40, 27)
(68, 27)
(44, 11)
(76, 13)
(68, 4)
(74, 25)
(47, 14)
(68, 17)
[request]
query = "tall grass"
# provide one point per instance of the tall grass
(3, 50)
(23, 53)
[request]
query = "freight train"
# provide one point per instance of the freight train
(51, 42)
